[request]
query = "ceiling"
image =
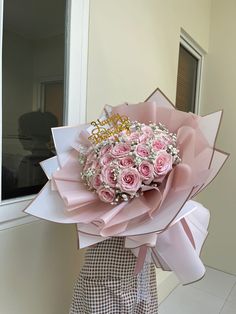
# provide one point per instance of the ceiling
(35, 19)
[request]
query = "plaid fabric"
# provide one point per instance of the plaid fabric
(107, 285)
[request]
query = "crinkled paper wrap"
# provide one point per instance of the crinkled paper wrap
(164, 225)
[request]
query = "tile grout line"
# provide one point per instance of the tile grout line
(212, 294)
(171, 292)
(209, 293)
(222, 271)
(227, 298)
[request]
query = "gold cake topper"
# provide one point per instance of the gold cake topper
(114, 125)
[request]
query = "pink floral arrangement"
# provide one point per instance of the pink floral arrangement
(136, 179)
(119, 171)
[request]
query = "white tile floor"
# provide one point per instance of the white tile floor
(214, 294)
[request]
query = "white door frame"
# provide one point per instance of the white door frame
(76, 56)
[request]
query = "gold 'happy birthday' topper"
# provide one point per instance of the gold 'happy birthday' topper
(115, 124)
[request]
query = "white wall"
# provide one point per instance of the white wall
(219, 93)
(38, 267)
(133, 48)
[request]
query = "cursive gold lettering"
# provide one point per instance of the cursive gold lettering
(115, 125)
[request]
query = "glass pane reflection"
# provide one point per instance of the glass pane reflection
(33, 84)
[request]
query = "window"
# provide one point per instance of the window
(33, 46)
(44, 56)
(189, 76)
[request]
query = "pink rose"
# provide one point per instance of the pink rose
(106, 159)
(96, 181)
(126, 162)
(147, 130)
(105, 149)
(144, 138)
(158, 144)
(162, 163)
(108, 175)
(129, 180)
(142, 150)
(134, 136)
(146, 170)
(106, 195)
(121, 150)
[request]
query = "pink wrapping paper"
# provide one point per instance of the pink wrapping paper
(163, 225)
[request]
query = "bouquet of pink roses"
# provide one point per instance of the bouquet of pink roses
(133, 174)
(118, 170)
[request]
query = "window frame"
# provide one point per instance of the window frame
(76, 59)
(190, 45)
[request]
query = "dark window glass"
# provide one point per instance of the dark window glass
(33, 84)
(186, 80)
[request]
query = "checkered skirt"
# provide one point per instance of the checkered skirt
(107, 284)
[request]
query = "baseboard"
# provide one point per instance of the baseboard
(166, 282)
